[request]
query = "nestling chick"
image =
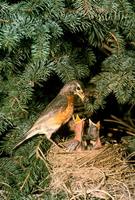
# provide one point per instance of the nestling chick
(93, 133)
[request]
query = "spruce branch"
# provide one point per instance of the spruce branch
(44, 40)
(117, 77)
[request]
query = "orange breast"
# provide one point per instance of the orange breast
(66, 114)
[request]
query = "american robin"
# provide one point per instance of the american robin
(58, 112)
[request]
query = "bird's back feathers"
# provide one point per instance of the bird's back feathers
(47, 123)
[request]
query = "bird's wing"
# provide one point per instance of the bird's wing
(47, 119)
(57, 105)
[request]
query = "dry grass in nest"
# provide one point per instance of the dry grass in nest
(93, 174)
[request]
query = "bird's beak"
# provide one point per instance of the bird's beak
(81, 94)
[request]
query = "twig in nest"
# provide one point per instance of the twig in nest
(126, 188)
(40, 155)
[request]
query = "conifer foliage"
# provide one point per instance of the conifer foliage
(71, 39)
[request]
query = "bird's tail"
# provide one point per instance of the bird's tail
(27, 136)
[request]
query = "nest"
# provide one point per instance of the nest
(91, 174)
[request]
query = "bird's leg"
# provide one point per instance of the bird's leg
(54, 143)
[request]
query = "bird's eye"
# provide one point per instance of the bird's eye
(78, 88)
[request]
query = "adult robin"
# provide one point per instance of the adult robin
(58, 112)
